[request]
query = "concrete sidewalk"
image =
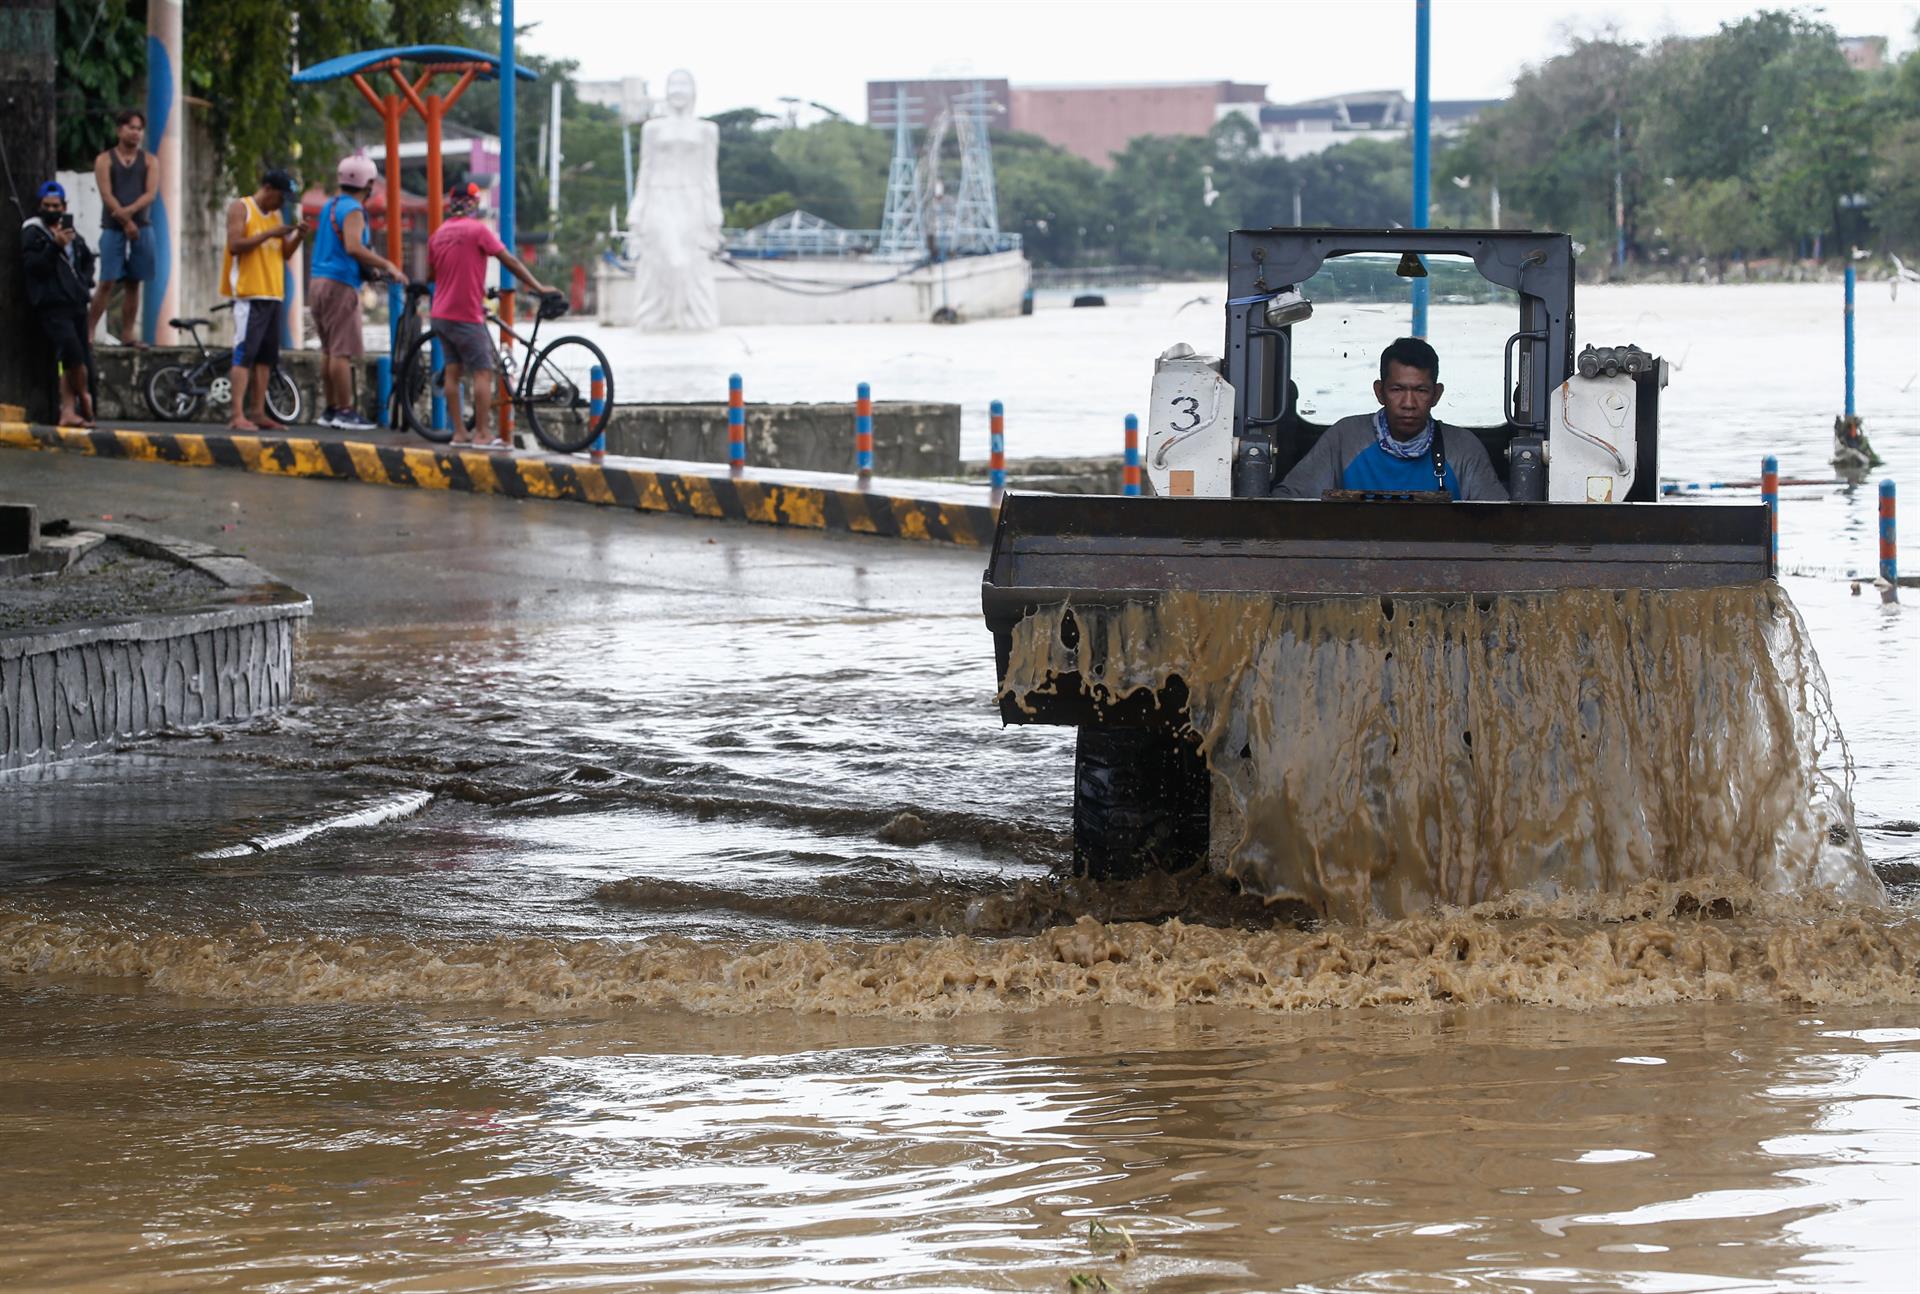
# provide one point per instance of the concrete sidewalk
(891, 508)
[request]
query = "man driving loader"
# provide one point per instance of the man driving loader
(1400, 448)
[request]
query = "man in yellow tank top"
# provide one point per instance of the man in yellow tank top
(253, 272)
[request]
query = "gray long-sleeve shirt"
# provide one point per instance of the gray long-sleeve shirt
(1348, 457)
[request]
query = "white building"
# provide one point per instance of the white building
(1294, 130)
(627, 96)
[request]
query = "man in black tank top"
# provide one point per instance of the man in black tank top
(129, 180)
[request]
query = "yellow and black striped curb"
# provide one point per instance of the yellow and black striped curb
(809, 507)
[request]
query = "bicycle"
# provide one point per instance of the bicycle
(175, 392)
(554, 391)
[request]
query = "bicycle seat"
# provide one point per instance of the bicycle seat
(553, 306)
(417, 290)
(189, 323)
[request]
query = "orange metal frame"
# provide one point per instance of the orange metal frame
(432, 109)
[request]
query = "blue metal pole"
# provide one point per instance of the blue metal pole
(1422, 164)
(1849, 341)
(509, 87)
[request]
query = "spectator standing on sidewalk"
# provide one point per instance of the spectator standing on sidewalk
(59, 277)
(457, 257)
(343, 258)
(253, 272)
(129, 180)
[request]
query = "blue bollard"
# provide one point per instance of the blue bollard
(997, 448)
(596, 406)
(1130, 473)
(1770, 495)
(863, 434)
(383, 368)
(1889, 552)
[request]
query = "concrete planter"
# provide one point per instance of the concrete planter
(81, 689)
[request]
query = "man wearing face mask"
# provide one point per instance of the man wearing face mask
(59, 275)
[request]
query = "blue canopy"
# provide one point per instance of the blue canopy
(347, 64)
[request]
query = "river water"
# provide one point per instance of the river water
(702, 928)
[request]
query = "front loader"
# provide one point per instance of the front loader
(1577, 448)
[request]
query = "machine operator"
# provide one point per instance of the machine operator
(1401, 447)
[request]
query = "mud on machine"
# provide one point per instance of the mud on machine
(1577, 448)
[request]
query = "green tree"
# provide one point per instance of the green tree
(239, 55)
(748, 214)
(1052, 199)
(838, 170)
(1550, 144)
(1710, 220)
(1895, 182)
(103, 67)
(1156, 195)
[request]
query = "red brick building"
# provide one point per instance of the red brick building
(1096, 121)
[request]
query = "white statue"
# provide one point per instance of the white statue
(673, 226)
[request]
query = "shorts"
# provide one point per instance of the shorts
(465, 344)
(66, 328)
(256, 331)
(336, 317)
(122, 261)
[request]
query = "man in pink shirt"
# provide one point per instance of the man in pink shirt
(457, 257)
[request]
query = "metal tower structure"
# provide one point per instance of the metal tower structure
(975, 225)
(903, 231)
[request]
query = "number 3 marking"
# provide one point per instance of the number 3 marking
(1192, 411)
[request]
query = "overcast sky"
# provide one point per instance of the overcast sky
(752, 52)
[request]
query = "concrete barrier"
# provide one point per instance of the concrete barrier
(896, 509)
(910, 438)
(73, 690)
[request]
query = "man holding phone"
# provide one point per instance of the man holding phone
(59, 274)
(253, 272)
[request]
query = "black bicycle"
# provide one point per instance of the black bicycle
(175, 392)
(556, 391)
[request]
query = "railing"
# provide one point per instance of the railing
(754, 244)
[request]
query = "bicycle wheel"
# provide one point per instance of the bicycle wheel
(283, 399)
(418, 390)
(558, 395)
(171, 394)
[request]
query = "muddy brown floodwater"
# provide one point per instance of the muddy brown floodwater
(635, 904)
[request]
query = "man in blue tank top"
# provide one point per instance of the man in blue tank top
(1400, 448)
(343, 257)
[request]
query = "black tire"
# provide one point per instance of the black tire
(416, 390)
(1141, 802)
(171, 395)
(284, 404)
(559, 398)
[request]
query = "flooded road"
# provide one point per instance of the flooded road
(725, 953)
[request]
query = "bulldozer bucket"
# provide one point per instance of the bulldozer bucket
(1087, 550)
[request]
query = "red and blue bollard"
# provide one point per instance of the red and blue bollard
(997, 449)
(1770, 495)
(1130, 474)
(736, 428)
(597, 409)
(1889, 554)
(863, 435)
